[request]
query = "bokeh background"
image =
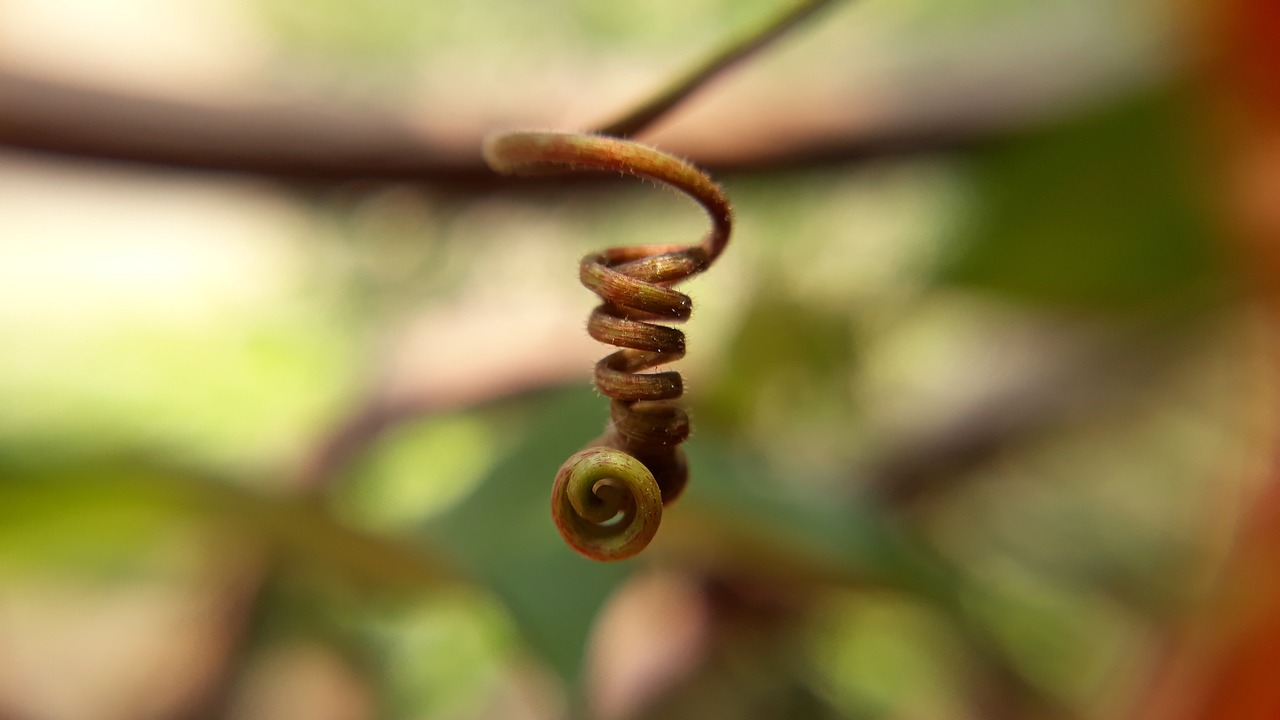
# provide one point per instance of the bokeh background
(980, 399)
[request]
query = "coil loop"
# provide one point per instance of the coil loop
(607, 500)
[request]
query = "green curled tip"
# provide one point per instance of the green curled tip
(606, 504)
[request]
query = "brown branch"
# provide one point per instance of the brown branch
(312, 143)
(321, 143)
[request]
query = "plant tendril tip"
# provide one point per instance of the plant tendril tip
(607, 500)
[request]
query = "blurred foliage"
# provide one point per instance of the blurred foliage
(786, 352)
(134, 443)
(362, 32)
(500, 533)
(1098, 212)
(421, 469)
(875, 658)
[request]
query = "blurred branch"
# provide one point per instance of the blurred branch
(279, 141)
(1087, 378)
(242, 604)
(314, 142)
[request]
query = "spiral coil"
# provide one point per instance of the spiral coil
(607, 500)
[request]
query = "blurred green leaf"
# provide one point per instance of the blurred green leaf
(107, 519)
(107, 513)
(784, 348)
(503, 536)
(419, 469)
(1098, 212)
(442, 657)
(781, 531)
(882, 657)
(1044, 630)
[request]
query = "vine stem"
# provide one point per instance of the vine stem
(538, 153)
(673, 94)
(607, 500)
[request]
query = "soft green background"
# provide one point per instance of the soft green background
(860, 311)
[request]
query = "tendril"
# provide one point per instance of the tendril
(607, 500)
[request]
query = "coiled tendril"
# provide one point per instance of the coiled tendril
(607, 500)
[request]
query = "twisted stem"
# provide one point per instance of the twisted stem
(607, 501)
